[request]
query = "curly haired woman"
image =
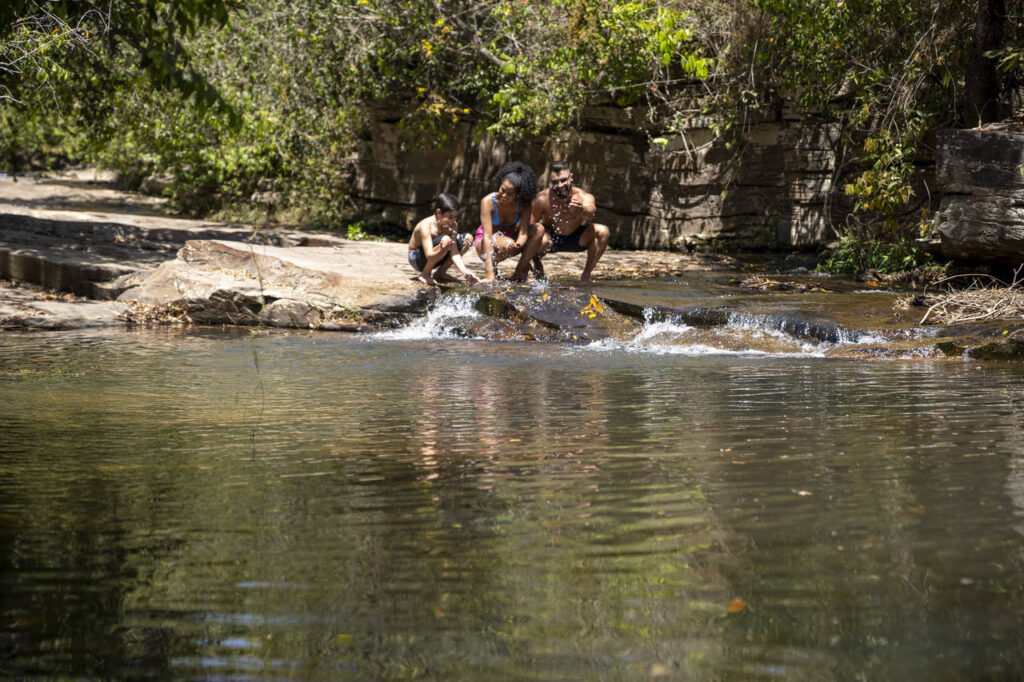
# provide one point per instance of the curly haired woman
(505, 226)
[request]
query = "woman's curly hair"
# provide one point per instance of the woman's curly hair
(522, 178)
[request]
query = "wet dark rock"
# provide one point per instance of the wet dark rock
(570, 313)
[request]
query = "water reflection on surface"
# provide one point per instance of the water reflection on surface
(315, 506)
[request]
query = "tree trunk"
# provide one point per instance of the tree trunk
(982, 82)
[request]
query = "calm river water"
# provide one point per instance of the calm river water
(227, 505)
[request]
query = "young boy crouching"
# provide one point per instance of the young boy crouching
(436, 244)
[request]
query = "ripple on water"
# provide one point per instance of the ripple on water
(314, 506)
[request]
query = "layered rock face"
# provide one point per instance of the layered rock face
(654, 193)
(981, 173)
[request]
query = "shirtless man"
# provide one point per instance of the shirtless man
(567, 214)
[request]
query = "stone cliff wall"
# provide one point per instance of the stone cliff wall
(981, 175)
(675, 196)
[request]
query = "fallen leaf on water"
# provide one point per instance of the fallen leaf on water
(803, 493)
(736, 605)
(592, 309)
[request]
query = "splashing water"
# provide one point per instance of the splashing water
(445, 319)
(739, 337)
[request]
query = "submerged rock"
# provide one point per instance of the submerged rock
(1009, 349)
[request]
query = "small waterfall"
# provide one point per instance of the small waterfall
(446, 318)
(800, 329)
(664, 335)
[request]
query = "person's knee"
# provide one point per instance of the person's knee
(602, 233)
(545, 244)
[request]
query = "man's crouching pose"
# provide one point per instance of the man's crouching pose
(567, 214)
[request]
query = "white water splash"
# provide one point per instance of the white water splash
(444, 320)
(668, 337)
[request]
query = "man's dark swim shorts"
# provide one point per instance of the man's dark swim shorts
(567, 242)
(418, 259)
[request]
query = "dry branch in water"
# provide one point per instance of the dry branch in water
(969, 305)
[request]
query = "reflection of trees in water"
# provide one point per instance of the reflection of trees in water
(415, 511)
(875, 528)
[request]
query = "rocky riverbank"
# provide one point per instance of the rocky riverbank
(76, 251)
(79, 253)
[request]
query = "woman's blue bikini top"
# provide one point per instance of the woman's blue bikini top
(496, 220)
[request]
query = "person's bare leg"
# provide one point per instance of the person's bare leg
(534, 240)
(538, 267)
(502, 248)
(441, 274)
(595, 239)
(425, 276)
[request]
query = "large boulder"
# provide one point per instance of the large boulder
(349, 286)
(981, 216)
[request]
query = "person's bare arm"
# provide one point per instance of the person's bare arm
(524, 228)
(427, 240)
(466, 274)
(539, 209)
(589, 207)
(487, 243)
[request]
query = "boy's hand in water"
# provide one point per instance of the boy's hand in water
(471, 278)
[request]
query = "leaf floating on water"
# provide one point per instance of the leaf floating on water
(804, 493)
(593, 308)
(736, 605)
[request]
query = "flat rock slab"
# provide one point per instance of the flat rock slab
(31, 308)
(346, 286)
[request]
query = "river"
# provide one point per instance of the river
(240, 505)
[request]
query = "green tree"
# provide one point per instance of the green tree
(46, 40)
